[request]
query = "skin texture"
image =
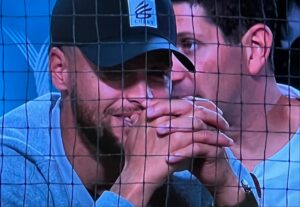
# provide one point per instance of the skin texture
(208, 43)
(105, 113)
(233, 74)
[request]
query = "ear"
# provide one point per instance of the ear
(257, 42)
(58, 68)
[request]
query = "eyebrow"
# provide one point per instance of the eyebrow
(189, 34)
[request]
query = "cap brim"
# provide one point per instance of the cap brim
(110, 54)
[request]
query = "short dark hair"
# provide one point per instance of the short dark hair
(235, 17)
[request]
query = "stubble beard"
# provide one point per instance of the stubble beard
(98, 138)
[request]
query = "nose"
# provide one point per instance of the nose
(182, 80)
(178, 72)
(138, 92)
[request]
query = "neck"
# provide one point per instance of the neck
(262, 124)
(254, 107)
(96, 171)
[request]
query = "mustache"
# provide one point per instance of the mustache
(123, 110)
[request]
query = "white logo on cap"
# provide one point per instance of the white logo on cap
(142, 13)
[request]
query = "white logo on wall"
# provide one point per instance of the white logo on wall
(37, 58)
(142, 13)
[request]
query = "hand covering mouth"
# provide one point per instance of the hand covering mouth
(127, 122)
(129, 119)
(126, 119)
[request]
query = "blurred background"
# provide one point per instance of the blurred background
(24, 40)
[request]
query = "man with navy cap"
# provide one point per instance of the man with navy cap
(95, 143)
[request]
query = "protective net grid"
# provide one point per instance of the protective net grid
(147, 131)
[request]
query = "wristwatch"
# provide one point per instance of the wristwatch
(250, 200)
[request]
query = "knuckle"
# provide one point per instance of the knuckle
(206, 135)
(199, 111)
(198, 123)
(199, 100)
(176, 136)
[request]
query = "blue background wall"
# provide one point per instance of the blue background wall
(24, 39)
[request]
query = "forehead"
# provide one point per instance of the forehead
(185, 9)
(193, 21)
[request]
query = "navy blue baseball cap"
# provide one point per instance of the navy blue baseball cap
(110, 32)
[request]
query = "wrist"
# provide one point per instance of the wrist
(134, 188)
(244, 198)
(132, 192)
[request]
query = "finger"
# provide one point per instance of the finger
(181, 140)
(210, 117)
(205, 119)
(182, 124)
(159, 121)
(169, 107)
(210, 137)
(183, 107)
(138, 119)
(194, 151)
(197, 101)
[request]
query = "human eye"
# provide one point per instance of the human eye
(116, 78)
(158, 76)
(188, 45)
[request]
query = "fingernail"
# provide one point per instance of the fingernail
(134, 118)
(226, 122)
(231, 142)
(172, 158)
(144, 103)
(162, 129)
(148, 103)
(227, 126)
(220, 111)
(190, 98)
(150, 111)
(195, 98)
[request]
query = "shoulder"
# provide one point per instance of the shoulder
(26, 183)
(26, 165)
(33, 113)
(293, 95)
(289, 91)
(26, 128)
(21, 183)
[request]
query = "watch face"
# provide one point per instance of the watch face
(250, 200)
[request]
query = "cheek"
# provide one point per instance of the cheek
(87, 86)
(207, 85)
(95, 96)
(185, 85)
(159, 93)
(207, 60)
(207, 66)
(90, 87)
(230, 61)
